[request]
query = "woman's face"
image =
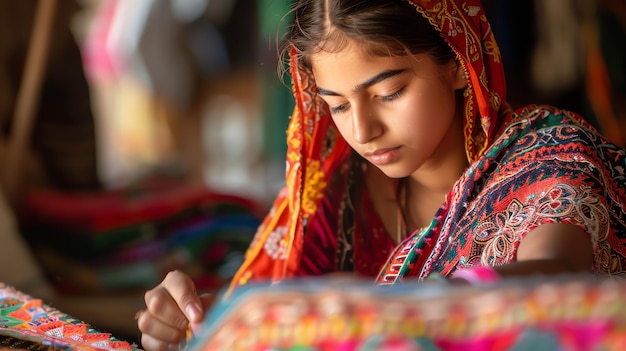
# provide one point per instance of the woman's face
(399, 113)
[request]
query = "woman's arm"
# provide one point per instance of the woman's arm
(552, 248)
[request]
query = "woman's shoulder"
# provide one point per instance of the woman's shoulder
(542, 136)
(546, 119)
(533, 117)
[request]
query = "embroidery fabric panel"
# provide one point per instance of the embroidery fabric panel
(42, 327)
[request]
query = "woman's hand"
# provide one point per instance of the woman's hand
(172, 308)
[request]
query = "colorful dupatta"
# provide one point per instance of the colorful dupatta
(500, 144)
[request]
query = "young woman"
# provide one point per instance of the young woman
(405, 160)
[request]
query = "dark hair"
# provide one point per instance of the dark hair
(386, 27)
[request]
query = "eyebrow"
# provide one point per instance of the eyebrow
(368, 83)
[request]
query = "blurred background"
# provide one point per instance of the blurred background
(149, 135)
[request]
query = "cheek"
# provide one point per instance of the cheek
(424, 119)
(414, 116)
(344, 126)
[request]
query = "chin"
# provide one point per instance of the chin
(395, 172)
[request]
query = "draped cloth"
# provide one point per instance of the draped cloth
(527, 167)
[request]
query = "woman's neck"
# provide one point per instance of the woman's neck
(445, 166)
(427, 187)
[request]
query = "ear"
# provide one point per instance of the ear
(460, 78)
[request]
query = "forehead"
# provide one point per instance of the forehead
(353, 65)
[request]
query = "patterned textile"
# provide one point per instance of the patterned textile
(129, 238)
(547, 167)
(527, 167)
(343, 241)
(568, 313)
(26, 323)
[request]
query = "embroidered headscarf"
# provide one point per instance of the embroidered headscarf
(316, 149)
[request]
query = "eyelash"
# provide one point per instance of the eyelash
(393, 96)
(388, 98)
(338, 109)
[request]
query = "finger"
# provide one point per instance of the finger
(161, 306)
(183, 291)
(158, 334)
(138, 314)
(207, 300)
(149, 343)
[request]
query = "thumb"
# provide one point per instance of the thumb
(206, 300)
(182, 289)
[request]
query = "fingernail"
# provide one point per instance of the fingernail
(195, 328)
(193, 312)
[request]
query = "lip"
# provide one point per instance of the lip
(381, 157)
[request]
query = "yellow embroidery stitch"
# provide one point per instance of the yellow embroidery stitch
(314, 185)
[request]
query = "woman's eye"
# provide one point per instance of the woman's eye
(338, 109)
(393, 96)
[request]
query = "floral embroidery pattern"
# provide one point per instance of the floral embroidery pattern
(546, 168)
(275, 246)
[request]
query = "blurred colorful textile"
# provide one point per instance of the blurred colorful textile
(556, 313)
(126, 239)
(28, 324)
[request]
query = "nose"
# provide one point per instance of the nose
(365, 125)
